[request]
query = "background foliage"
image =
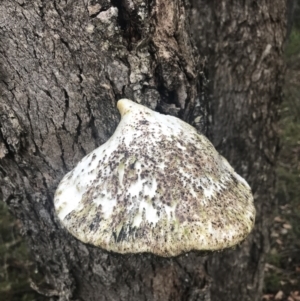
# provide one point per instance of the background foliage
(282, 281)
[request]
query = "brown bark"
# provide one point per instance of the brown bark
(64, 65)
(244, 46)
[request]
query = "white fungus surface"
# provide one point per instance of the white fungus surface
(155, 186)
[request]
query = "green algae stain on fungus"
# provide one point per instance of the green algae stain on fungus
(60, 208)
(58, 193)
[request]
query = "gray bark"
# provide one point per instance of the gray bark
(63, 67)
(244, 48)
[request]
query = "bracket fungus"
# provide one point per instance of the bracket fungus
(155, 186)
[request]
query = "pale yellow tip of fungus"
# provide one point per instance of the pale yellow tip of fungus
(124, 105)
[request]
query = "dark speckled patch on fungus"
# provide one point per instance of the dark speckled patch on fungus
(155, 186)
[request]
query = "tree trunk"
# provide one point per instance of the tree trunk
(245, 63)
(63, 67)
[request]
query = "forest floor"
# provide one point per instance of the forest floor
(282, 281)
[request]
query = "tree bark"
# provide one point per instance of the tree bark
(63, 67)
(244, 48)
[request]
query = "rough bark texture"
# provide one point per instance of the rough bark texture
(243, 46)
(63, 65)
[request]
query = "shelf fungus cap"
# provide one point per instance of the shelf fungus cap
(155, 186)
